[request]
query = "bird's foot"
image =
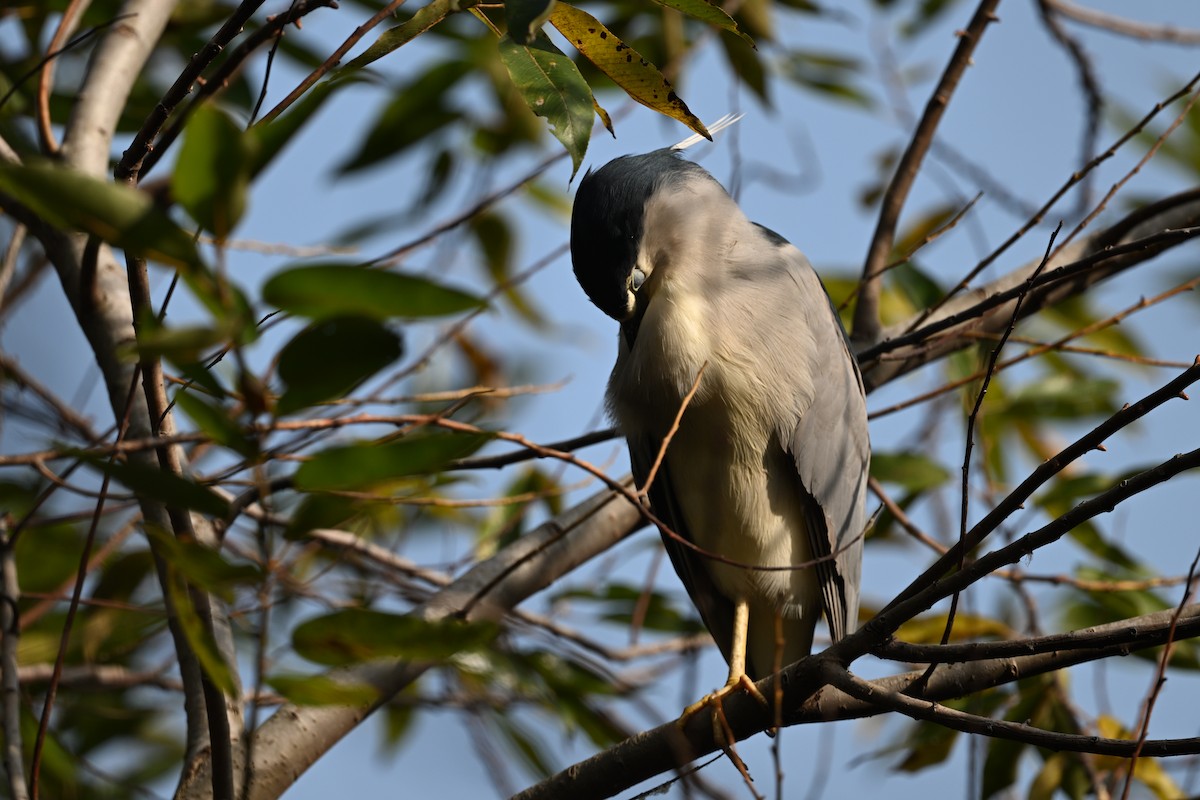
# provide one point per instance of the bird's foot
(714, 699)
(722, 732)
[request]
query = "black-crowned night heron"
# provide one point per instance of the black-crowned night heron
(768, 467)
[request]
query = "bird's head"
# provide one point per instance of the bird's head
(630, 219)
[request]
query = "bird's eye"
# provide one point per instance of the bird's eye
(637, 279)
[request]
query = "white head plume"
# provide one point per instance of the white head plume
(718, 126)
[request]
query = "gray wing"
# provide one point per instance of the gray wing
(832, 452)
(715, 609)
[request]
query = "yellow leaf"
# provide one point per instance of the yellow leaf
(640, 79)
(928, 630)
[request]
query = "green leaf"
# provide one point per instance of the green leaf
(322, 291)
(117, 214)
(212, 174)
(708, 13)
(503, 523)
(524, 744)
(331, 357)
(199, 638)
(620, 603)
(217, 423)
(322, 511)
(203, 566)
(928, 745)
(826, 73)
(367, 464)
(270, 138)
(179, 343)
(356, 635)
(394, 38)
(46, 560)
(525, 18)
(1062, 397)
(918, 287)
(552, 87)
(929, 629)
(496, 243)
(172, 490)
(912, 471)
(322, 690)
(417, 111)
(623, 65)
(747, 64)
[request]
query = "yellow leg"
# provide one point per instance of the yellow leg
(737, 671)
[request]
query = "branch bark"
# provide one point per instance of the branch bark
(1153, 225)
(808, 698)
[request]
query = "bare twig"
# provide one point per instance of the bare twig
(334, 59)
(130, 165)
(219, 80)
(1068, 184)
(1002, 510)
(972, 418)
(1058, 345)
(866, 314)
(805, 701)
(1126, 27)
(644, 489)
(1000, 729)
(1174, 627)
(1090, 83)
(66, 26)
(1160, 676)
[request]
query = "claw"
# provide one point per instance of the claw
(722, 732)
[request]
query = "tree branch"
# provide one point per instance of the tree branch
(866, 312)
(1134, 240)
(666, 747)
(931, 711)
(295, 737)
(10, 687)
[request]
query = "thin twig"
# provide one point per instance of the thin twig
(972, 418)
(1056, 345)
(53, 54)
(72, 610)
(66, 26)
(1090, 83)
(1184, 625)
(1121, 26)
(130, 165)
(1057, 275)
(1066, 186)
(995, 728)
(334, 59)
(1044, 472)
(866, 313)
(220, 79)
(644, 489)
(1160, 676)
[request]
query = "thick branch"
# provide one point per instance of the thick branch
(979, 311)
(649, 753)
(10, 688)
